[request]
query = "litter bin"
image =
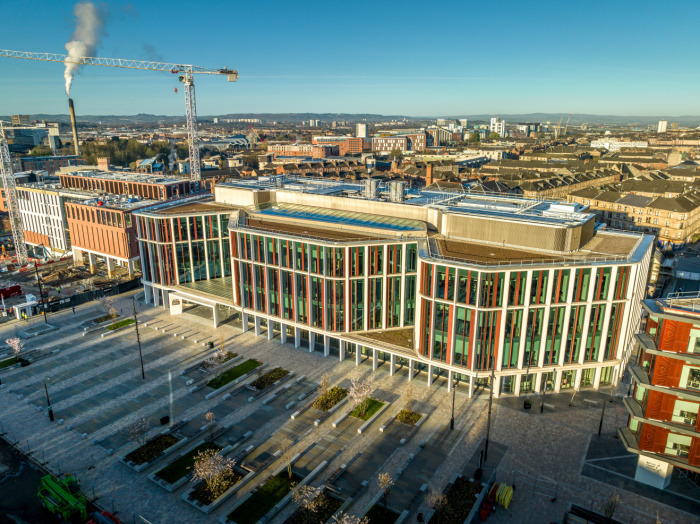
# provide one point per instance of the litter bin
(527, 404)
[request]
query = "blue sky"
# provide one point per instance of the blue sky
(413, 58)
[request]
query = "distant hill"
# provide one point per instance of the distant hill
(576, 118)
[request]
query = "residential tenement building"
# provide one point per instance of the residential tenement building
(674, 220)
(50, 164)
(527, 292)
(663, 427)
(312, 150)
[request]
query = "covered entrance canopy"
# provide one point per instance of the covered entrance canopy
(178, 298)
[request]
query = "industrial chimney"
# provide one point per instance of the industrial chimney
(74, 127)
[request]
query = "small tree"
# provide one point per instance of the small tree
(16, 344)
(306, 498)
(325, 384)
(344, 518)
(212, 468)
(408, 395)
(106, 304)
(611, 504)
(494, 136)
(286, 447)
(436, 501)
(359, 392)
(385, 484)
(211, 423)
(138, 430)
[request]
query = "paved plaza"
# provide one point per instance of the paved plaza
(96, 390)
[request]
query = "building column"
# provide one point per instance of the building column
(244, 322)
(147, 294)
(471, 386)
(257, 325)
(375, 359)
(342, 350)
(430, 375)
(156, 296)
(270, 329)
(215, 310)
(557, 380)
(283, 334)
(516, 386)
(78, 257)
(130, 267)
(166, 298)
(577, 381)
(326, 345)
(450, 379)
(93, 262)
(392, 365)
(410, 369)
(297, 337)
(496, 387)
(358, 355)
(312, 341)
(111, 266)
(596, 378)
(538, 383)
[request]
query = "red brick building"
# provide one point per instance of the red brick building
(664, 428)
(346, 144)
(404, 143)
(312, 150)
(146, 186)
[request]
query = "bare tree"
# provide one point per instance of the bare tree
(213, 468)
(436, 501)
(408, 395)
(385, 484)
(611, 504)
(325, 384)
(138, 430)
(306, 498)
(16, 344)
(359, 392)
(211, 425)
(106, 304)
(345, 518)
(286, 447)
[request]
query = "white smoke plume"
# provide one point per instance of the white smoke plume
(85, 39)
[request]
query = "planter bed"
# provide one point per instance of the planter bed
(372, 408)
(202, 494)
(234, 373)
(120, 324)
(264, 498)
(377, 515)
(327, 506)
(269, 379)
(410, 418)
(151, 449)
(10, 362)
(330, 398)
(459, 502)
(183, 465)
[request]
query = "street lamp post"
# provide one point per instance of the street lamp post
(41, 293)
(452, 420)
(138, 339)
(488, 420)
(48, 401)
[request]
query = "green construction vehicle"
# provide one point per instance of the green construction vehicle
(62, 497)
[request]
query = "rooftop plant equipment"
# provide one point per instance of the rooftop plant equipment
(62, 497)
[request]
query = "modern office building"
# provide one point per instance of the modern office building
(663, 125)
(50, 164)
(151, 186)
(664, 429)
(458, 284)
(361, 131)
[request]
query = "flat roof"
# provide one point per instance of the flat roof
(189, 206)
(299, 230)
(126, 177)
(604, 245)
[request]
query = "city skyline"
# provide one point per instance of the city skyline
(544, 60)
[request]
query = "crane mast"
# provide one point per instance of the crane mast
(188, 71)
(8, 181)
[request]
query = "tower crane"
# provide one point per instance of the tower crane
(256, 133)
(557, 129)
(8, 180)
(566, 127)
(186, 72)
